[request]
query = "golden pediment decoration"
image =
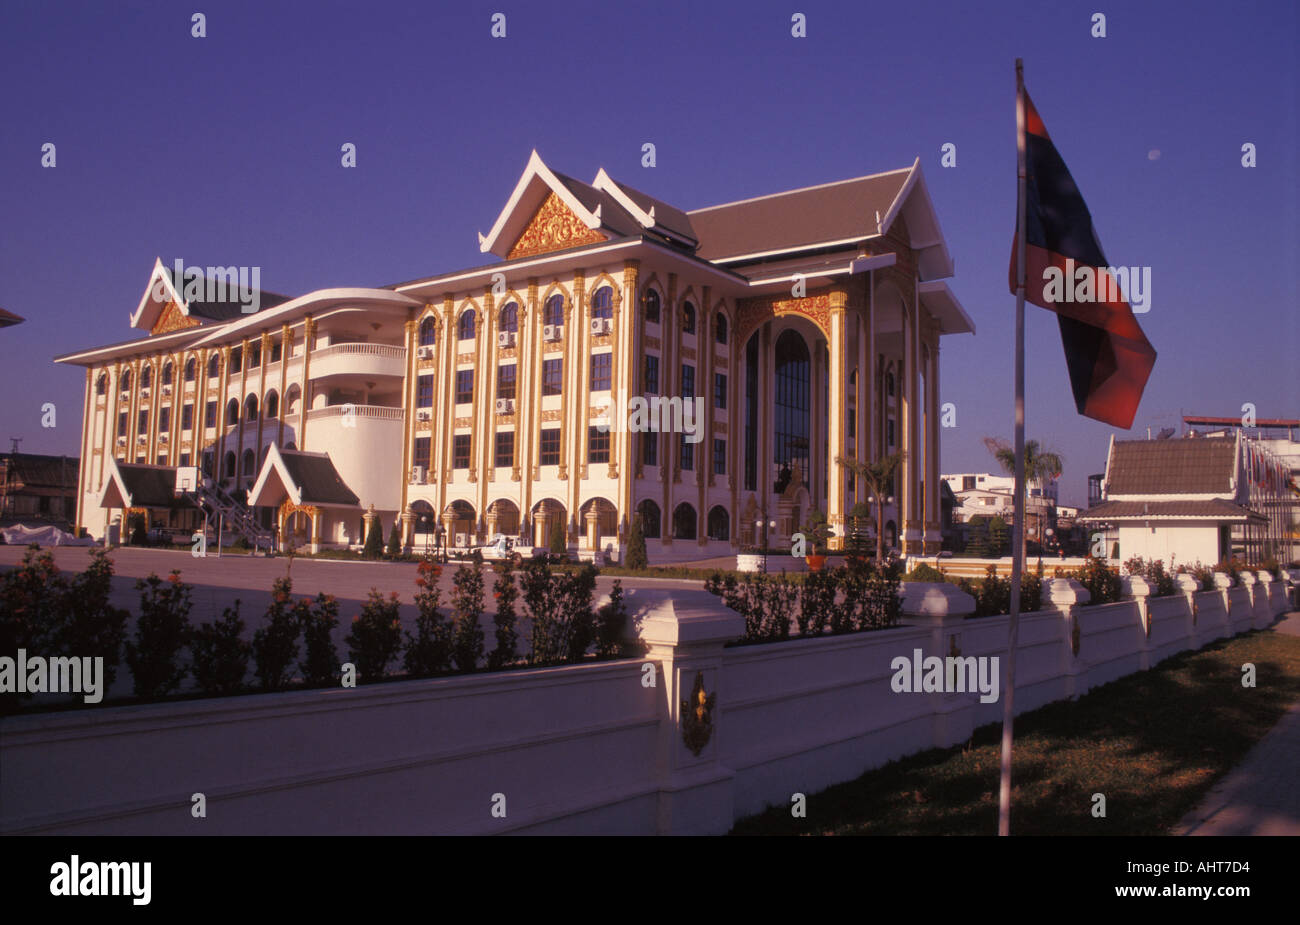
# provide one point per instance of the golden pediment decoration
(553, 227)
(172, 319)
(753, 312)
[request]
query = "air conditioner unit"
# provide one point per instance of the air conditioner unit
(418, 475)
(505, 405)
(162, 439)
(121, 441)
(424, 353)
(144, 392)
(167, 390)
(505, 338)
(552, 332)
(600, 326)
(141, 440)
(424, 414)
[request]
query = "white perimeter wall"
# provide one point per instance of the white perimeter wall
(587, 749)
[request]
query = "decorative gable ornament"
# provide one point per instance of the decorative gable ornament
(553, 227)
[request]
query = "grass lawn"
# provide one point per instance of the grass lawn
(1153, 743)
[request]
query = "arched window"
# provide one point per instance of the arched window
(602, 303)
(190, 369)
(126, 380)
(652, 305)
(465, 328)
(719, 523)
(228, 466)
(271, 407)
(232, 413)
(250, 462)
(792, 403)
(101, 384)
(889, 383)
(213, 367)
(554, 311)
(688, 318)
(684, 522)
(720, 328)
(428, 332)
(509, 317)
(146, 377)
(250, 408)
(649, 514)
(167, 373)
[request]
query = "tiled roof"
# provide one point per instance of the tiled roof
(149, 486)
(612, 215)
(320, 482)
(1166, 510)
(1190, 466)
(34, 470)
(799, 218)
(666, 216)
(227, 310)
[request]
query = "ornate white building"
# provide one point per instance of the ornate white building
(808, 323)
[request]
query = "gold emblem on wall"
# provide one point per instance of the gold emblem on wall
(553, 227)
(697, 716)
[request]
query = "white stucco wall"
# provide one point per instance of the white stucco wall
(1184, 543)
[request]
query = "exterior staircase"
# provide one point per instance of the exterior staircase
(221, 509)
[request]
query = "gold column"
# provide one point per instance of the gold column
(286, 352)
(83, 468)
(629, 344)
(704, 384)
(409, 385)
(836, 414)
(579, 349)
(670, 327)
(223, 387)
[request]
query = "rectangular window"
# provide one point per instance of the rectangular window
(600, 371)
(968, 483)
(424, 392)
(552, 376)
(210, 415)
(506, 380)
(276, 352)
(550, 447)
(650, 375)
(720, 390)
(649, 449)
(164, 420)
(853, 422)
(236, 360)
(688, 381)
(185, 459)
(142, 422)
(505, 456)
(464, 386)
(161, 460)
(597, 445)
(688, 453)
(719, 457)
(889, 433)
(460, 451)
(187, 417)
(121, 424)
(421, 457)
(254, 355)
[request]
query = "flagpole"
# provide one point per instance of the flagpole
(1018, 527)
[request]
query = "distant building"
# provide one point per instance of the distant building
(1198, 499)
(35, 488)
(983, 494)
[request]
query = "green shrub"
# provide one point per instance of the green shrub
(1101, 580)
(428, 651)
(467, 611)
(559, 609)
(506, 594)
(1161, 582)
(636, 557)
(376, 636)
(320, 665)
(559, 541)
(611, 624)
(394, 549)
(220, 654)
(1232, 569)
(924, 572)
(161, 632)
(275, 645)
(32, 598)
(374, 548)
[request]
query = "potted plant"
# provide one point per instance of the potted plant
(817, 531)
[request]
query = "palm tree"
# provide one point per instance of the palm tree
(1040, 466)
(878, 475)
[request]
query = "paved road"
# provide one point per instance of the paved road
(1261, 796)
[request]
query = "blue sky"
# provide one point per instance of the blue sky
(225, 150)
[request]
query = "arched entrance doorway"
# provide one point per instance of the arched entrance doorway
(460, 520)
